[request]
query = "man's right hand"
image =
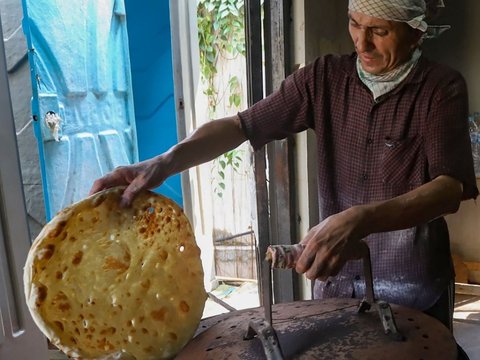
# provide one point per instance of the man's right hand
(333, 242)
(147, 174)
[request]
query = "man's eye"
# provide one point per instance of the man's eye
(379, 32)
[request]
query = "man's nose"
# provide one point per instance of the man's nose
(363, 42)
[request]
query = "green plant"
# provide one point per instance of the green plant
(231, 159)
(221, 32)
(235, 91)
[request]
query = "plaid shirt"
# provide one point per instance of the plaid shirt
(375, 150)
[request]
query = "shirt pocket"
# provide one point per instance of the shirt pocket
(403, 163)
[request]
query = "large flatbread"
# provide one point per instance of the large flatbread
(104, 282)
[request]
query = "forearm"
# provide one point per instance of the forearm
(204, 144)
(335, 240)
(436, 198)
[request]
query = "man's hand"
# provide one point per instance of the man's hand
(333, 242)
(147, 174)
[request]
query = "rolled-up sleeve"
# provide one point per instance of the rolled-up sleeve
(286, 111)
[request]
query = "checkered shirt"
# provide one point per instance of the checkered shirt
(375, 150)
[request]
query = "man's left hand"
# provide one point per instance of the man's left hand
(330, 244)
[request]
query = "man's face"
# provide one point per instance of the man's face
(381, 45)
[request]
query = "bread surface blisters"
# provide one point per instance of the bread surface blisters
(104, 282)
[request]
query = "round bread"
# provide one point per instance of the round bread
(105, 282)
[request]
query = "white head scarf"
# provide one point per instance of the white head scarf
(411, 12)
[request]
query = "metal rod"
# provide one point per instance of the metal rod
(254, 51)
(383, 308)
(221, 302)
(281, 152)
(367, 269)
(234, 279)
(267, 290)
(226, 238)
(254, 56)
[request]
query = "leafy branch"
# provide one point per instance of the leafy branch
(229, 159)
(221, 33)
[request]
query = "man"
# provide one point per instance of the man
(394, 156)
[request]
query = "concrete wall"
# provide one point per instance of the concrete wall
(326, 28)
(20, 89)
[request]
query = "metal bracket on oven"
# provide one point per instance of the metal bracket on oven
(267, 336)
(383, 308)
